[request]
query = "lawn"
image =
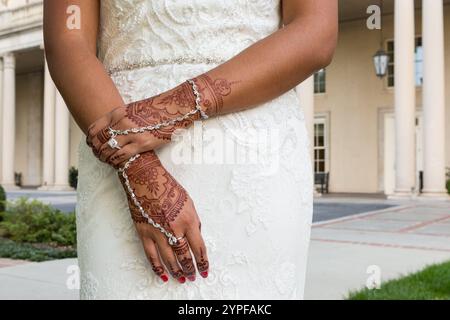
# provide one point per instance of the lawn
(431, 283)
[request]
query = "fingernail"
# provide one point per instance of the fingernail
(204, 274)
(164, 278)
(182, 280)
(191, 278)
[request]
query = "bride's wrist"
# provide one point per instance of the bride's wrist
(176, 108)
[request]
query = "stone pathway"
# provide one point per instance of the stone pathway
(394, 241)
(10, 262)
(62, 200)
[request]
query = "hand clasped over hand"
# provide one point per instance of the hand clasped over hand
(164, 200)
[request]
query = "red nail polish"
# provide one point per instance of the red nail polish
(204, 274)
(182, 280)
(191, 278)
(164, 278)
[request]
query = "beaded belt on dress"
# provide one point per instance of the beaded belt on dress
(125, 66)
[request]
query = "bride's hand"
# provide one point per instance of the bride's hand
(166, 106)
(168, 204)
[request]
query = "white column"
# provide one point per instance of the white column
(49, 131)
(305, 92)
(9, 121)
(61, 145)
(433, 99)
(405, 100)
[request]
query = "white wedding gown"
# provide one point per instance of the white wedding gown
(256, 215)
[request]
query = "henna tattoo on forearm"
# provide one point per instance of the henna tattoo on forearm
(177, 102)
(213, 92)
(163, 107)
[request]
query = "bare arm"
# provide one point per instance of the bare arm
(90, 93)
(263, 71)
(71, 54)
(280, 61)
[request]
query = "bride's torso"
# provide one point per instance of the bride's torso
(154, 32)
(150, 46)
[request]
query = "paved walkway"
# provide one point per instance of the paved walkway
(62, 200)
(402, 238)
(38, 281)
(396, 241)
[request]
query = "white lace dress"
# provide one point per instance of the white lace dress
(256, 214)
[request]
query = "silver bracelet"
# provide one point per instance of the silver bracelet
(114, 133)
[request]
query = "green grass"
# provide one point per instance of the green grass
(432, 283)
(34, 252)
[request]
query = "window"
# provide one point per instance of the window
(418, 61)
(320, 145)
(319, 81)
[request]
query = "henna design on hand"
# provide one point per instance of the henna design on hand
(188, 266)
(202, 264)
(158, 270)
(157, 191)
(176, 273)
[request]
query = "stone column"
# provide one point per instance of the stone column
(405, 151)
(61, 145)
(305, 92)
(434, 99)
(8, 121)
(48, 171)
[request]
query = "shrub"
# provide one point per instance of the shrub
(73, 177)
(2, 199)
(32, 252)
(35, 222)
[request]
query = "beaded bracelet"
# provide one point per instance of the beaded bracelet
(114, 133)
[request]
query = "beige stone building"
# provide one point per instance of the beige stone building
(372, 135)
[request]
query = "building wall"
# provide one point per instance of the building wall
(355, 100)
(29, 127)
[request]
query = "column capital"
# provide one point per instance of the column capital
(9, 61)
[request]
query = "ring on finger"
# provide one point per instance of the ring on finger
(113, 143)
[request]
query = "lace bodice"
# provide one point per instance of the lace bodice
(153, 32)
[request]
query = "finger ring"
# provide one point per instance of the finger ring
(113, 143)
(178, 239)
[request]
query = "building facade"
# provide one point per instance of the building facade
(389, 135)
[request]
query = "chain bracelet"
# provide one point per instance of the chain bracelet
(171, 238)
(114, 133)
